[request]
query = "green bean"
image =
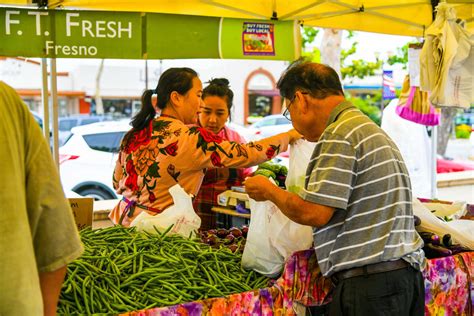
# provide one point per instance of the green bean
(123, 270)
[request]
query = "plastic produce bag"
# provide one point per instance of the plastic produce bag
(461, 231)
(181, 214)
(272, 238)
(453, 210)
(300, 155)
(259, 254)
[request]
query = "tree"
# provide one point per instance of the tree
(358, 67)
(401, 57)
(331, 49)
(99, 107)
(334, 56)
(308, 35)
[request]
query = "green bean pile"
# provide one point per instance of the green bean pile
(124, 270)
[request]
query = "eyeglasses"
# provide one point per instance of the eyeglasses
(286, 113)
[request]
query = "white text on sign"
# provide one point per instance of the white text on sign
(85, 28)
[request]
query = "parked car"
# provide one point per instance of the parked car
(88, 157)
(466, 118)
(268, 126)
(65, 124)
(446, 165)
(242, 130)
(38, 118)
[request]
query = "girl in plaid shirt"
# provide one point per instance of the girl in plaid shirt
(215, 112)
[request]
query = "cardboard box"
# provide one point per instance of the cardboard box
(82, 209)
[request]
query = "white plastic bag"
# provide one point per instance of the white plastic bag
(455, 210)
(272, 238)
(181, 214)
(300, 155)
(259, 254)
(461, 231)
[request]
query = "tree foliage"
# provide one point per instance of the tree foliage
(401, 57)
(308, 35)
(357, 68)
(369, 106)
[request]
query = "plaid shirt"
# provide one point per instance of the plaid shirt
(219, 180)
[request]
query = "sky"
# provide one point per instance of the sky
(369, 45)
(372, 43)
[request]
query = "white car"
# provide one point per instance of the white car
(87, 159)
(65, 124)
(268, 126)
(242, 130)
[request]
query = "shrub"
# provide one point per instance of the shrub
(463, 131)
(368, 107)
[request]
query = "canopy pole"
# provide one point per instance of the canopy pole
(45, 99)
(434, 153)
(54, 103)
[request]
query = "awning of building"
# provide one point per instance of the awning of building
(37, 92)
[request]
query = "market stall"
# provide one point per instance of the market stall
(301, 281)
(449, 285)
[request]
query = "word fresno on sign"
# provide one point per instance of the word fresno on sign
(44, 33)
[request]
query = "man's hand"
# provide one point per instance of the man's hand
(295, 208)
(258, 187)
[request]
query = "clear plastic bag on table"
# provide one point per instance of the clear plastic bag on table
(300, 155)
(181, 214)
(272, 238)
(453, 210)
(461, 231)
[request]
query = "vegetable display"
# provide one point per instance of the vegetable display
(436, 246)
(124, 270)
(273, 170)
(232, 238)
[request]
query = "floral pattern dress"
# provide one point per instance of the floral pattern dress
(169, 152)
(216, 181)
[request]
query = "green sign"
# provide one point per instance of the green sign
(256, 39)
(171, 36)
(70, 34)
(130, 35)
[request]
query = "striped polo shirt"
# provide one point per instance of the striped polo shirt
(357, 169)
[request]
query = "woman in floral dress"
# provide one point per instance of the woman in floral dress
(159, 152)
(217, 98)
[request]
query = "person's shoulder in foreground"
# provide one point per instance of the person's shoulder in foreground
(37, 227)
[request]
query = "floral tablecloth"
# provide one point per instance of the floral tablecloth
(449, 290)
(449, 285)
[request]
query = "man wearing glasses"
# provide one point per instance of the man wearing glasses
(357, 196)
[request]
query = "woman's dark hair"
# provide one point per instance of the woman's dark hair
(173, 79)
(219, 87)
(319, 80)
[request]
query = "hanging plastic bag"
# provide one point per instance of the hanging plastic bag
(273, 237)
(259, 254)
(181, 215)
(300, 155)
(414, 106)
(446, 60)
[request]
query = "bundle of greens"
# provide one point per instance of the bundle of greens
(273, 170)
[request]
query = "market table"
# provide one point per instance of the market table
(231, 217)
(449, 290)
